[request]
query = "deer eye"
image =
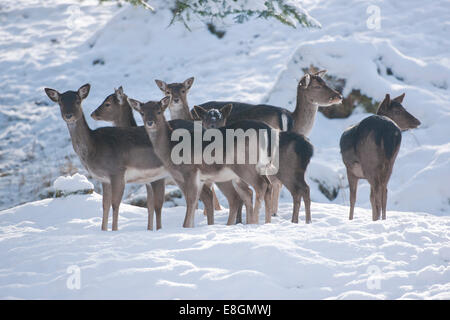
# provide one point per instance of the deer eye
(107, 104)
(183, 91)
(167, 92)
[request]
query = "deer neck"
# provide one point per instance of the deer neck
(160, 139)
(126, 117)
(82, 140)
(180, 111)
(304, 114)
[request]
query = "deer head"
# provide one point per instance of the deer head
(316, 91)
(213, 118)
(394, 110)
(152, 112)
(176, 91)
(110, 109)
(70, 102)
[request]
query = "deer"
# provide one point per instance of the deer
(369, 150)
(295, 152)
(192, 176)
(115, 109)
(114, 156)
(179, 109)
(312, 92)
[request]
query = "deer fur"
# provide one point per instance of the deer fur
(114, 156)
(369, 150)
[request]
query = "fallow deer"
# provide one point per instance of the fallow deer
(191, 176)
(369, 150)
(179, 108)
(114, 156)
(115, 109)
(295, 152)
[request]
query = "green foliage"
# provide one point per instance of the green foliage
(211, 11)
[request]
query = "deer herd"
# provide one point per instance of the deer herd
(127, 153)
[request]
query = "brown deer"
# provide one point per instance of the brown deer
(191, 176)
(114, 156)
(179, 108)
(115, 109)
(369, 150)
(295, 152)
(312, 92)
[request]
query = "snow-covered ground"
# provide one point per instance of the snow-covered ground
(65, 43)
(46, 245)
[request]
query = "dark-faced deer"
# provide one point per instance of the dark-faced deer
(191, 176)
(114, 156)
(115, 109)
(312, 92)
(295, 152)
(369, 150)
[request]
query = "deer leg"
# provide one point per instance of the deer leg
(297, 203)
(234, 200)
(246, 194)
(384, 201)
(268, 201)
(150, 206)
(373, 202)
(206, 196)
(353, 185)
(106, 202)
(216, 201)
(191, 188)
(307, 201)
(117, 187)
(158, 198)
(261, 186)
(276, 186)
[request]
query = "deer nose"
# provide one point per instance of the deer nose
(176, 100)
(68, 116)
(94, 115)
(150, 123)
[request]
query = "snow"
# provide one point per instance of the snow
(55, 44)
(406, 256)
(74, 183)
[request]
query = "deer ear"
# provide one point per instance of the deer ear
(385, 103)
(161, 85)
(195, 115)
(165, 103)
(226, 110)
(119, 94)
(188, 83)
(201, 112)
(83, 92)
(304, 82)
(52, 94)
(399, 99)
(320, 73)
(135, 104)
